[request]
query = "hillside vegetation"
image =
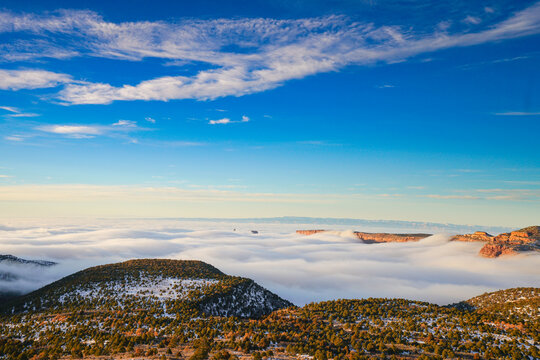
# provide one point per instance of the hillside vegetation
(518, 303)
(167, 309)
(175, 286)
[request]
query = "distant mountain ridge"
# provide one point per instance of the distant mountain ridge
(16, 260)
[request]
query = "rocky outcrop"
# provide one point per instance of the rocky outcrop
(309, 232)
(512, 243)
(477, 236)
(374, 238)
(524, 236)
(492, 250)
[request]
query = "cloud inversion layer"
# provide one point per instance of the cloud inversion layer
(299, 268)
(235, 57)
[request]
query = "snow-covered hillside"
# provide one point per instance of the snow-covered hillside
(166, 287)
(146, 286)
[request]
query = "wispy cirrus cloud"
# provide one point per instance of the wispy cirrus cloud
(518, 113)
(463, 197)
(472, 20)
(128, 123)
(17, 138)
(78, 131)
(245, 55)
(31, 79)
(225, 121)
(11, 109)
(19, 115)
(495, 194)
(220, 121)
(14, 112)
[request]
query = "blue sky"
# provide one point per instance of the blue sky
(381, 110)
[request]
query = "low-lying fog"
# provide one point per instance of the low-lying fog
(299, 268)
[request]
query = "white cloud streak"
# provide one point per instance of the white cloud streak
(225, 121)
(88, 131)
(518, 113)
(299, 268)
(11, 109)
(472, 20)
(31, 79)
(128, 123)
(71, 130)
(245, 55)
(220, 121)
(17, 138)
(16, 113)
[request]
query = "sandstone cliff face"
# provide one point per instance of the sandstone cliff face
(512, 243)
(309, 232)
(493, 250)
(517, 237)
(373, 238)
(477, 236)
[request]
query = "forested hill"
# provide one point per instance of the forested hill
(171, 309)
(522, 303)
(170, 285)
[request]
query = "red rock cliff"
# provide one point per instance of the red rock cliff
(523, 240)
(384, 237)
(477, 236)
(372, 238)
(309, 232)
(512, 243)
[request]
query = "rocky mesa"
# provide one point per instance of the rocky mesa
(511, 243)
(374, 238)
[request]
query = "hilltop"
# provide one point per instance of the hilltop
(170, 285)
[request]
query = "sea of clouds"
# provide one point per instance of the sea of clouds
(299, 268)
